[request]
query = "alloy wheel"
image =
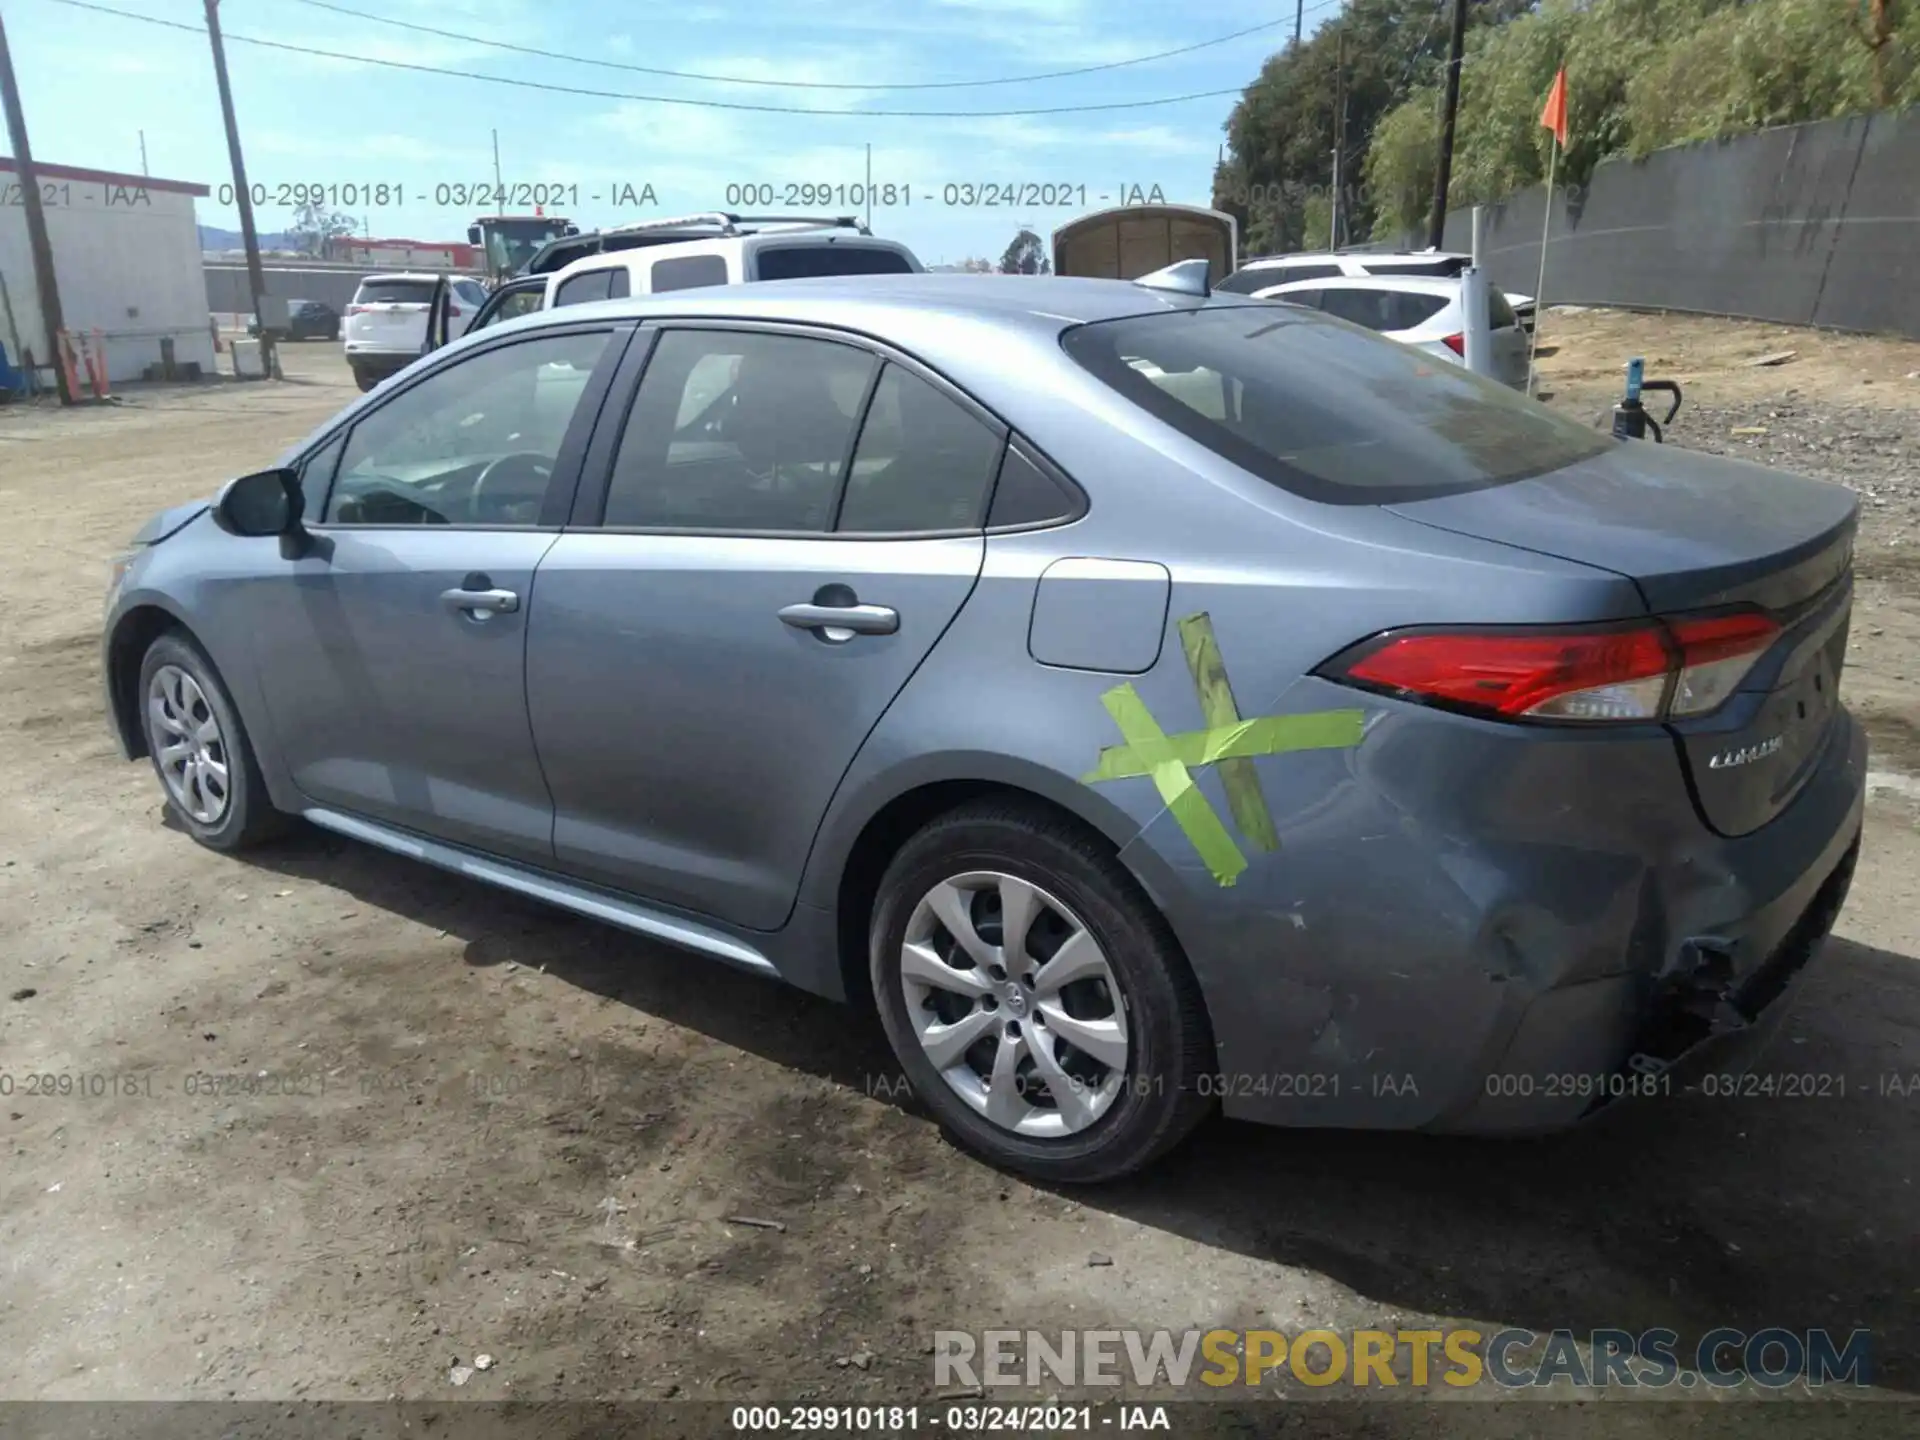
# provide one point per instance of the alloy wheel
(1015, 1004)
(189, 749)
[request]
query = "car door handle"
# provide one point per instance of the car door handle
(852, 619)
(480, 602)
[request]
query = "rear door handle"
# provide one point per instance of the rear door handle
(842, 622)
(479, 603)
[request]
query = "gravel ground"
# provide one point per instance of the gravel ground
(521, 1134)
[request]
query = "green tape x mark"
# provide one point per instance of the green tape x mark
(1228, 743)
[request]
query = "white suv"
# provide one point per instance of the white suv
(386, 326)
(651, 258)
(1262, 274)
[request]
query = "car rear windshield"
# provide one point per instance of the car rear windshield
(394, 292)
(1328, 412)
(792, 262)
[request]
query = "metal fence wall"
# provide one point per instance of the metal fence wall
(1813, 224)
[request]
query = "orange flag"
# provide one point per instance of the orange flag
(1554, 117)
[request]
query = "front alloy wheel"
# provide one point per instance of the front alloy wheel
(192, 753)
(200, 749)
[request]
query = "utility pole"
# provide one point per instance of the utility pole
(143, 154)
(1299, 14)
(256, 281)
(499, 190)
(1443, 172)
(37, 243)
(1339, 126)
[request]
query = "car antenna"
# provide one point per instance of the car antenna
(1183, 277)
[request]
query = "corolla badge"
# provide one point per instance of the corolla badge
(1746, 754)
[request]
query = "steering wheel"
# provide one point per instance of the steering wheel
(538, 469)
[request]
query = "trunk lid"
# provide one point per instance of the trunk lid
(1701, 532)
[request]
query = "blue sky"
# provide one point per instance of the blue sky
(91, 82)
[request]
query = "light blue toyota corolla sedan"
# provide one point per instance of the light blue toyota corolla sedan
(1146, 700)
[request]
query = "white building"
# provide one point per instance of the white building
(126, 253)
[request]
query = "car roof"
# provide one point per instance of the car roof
(791, 237)
(883, 303)
(425, 275)
(1413, 284)
(1362, 257)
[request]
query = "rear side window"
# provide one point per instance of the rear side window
(733, 430)
(688, 272)
(1324, 411)
(1245, 282)
(1382, 309)
(587, 286)
(923, 462)
(791, 262)
(1026, 495)
(1309, 297)
(394, 292)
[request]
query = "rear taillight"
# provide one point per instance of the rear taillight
(1648, 670)
(1716, 652)
(453, 310)
(358, 309)
(1456, 343)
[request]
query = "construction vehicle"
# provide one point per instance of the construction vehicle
(509, 241)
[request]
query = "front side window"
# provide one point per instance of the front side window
(733, 430)
(472, 444)
(923, 463)
(1325, 411)
(523, 300)
(583, 288)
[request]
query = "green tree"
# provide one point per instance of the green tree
(313, 225)
(1276, 177)
(1026, 255)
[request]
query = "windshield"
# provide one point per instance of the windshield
(1326, 410)
(511, 244)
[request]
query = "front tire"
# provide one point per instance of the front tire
(200, 750)
(1038, 1003)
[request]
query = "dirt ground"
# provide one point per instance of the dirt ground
(473, 1125)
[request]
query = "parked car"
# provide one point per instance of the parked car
(387, 321)
(1148, 700)
(306, 320)
(693, 252)
(1261, 274)
(1429, 315)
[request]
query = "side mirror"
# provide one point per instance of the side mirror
(474, 237)
(267, 502)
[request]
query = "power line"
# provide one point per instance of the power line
(796, 84)
(656, 99)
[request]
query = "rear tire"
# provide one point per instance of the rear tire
(200, 750)
(366, 380)
(986, 1030)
